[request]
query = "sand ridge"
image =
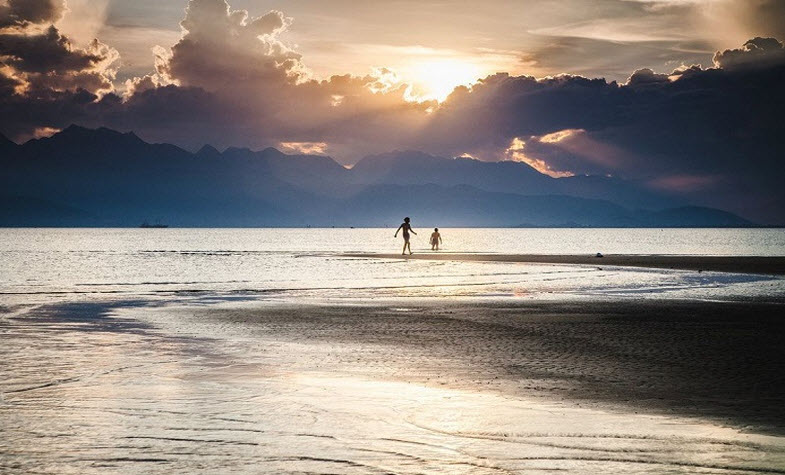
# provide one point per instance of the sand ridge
(769, 265)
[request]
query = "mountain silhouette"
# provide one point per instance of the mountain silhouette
(412, 167)
(101, 177)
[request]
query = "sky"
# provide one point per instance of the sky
(436, 45)
(682, 95)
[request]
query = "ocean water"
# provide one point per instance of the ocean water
(40, 265)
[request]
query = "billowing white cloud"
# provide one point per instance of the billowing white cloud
(243, 61)
(224, 48)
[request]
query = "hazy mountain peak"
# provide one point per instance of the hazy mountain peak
(78, 132)
(271, 151)
(467, 158)
(120, 179)
(73, 128)
(208, 151)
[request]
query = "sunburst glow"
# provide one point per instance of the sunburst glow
(437, 78)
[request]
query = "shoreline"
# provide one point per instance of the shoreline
(766, 265)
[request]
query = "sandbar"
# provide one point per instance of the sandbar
(767, 265)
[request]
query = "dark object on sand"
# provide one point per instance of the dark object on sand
(599, 254)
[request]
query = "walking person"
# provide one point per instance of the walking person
(406, 228)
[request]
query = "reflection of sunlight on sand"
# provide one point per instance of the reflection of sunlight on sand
(205, 394)
(461, 429)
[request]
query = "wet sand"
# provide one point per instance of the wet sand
(723, 361)
(739, 264)
(399, 386)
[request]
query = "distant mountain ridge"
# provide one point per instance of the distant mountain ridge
(412, 167)
(101, 177)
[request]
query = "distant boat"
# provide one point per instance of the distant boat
(156, 225)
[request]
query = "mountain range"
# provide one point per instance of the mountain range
(101, 177)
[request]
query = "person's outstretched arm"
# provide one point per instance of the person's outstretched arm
(412, 230)
(399, 228)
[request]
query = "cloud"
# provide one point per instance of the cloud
(37, 60)
(84, 21)
(610, 59)
(23, 13)
(624, 30)
(241, 62)
(566, 151)
(49, 62)
(646, 76)
(685, 183)
(719, 123)
(308, 148)
(756, 53)
(731, 22)
(517, 153)
(44, 53)
(223, 48)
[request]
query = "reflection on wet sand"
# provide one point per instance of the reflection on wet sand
(97, 389)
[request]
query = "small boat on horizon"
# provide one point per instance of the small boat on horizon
(156, 225)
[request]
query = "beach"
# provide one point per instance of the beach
(708, 359)
(392, 237)
(183, 352)
(400, 386)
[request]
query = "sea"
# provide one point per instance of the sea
(51, 264)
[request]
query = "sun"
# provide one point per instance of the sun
(436, 79)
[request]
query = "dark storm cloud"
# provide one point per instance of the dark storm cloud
(8, 85)
(21, 13)
(48, 52)
(37, 61)
(22, 115)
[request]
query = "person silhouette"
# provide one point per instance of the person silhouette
(406, 227)
(436, 239)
